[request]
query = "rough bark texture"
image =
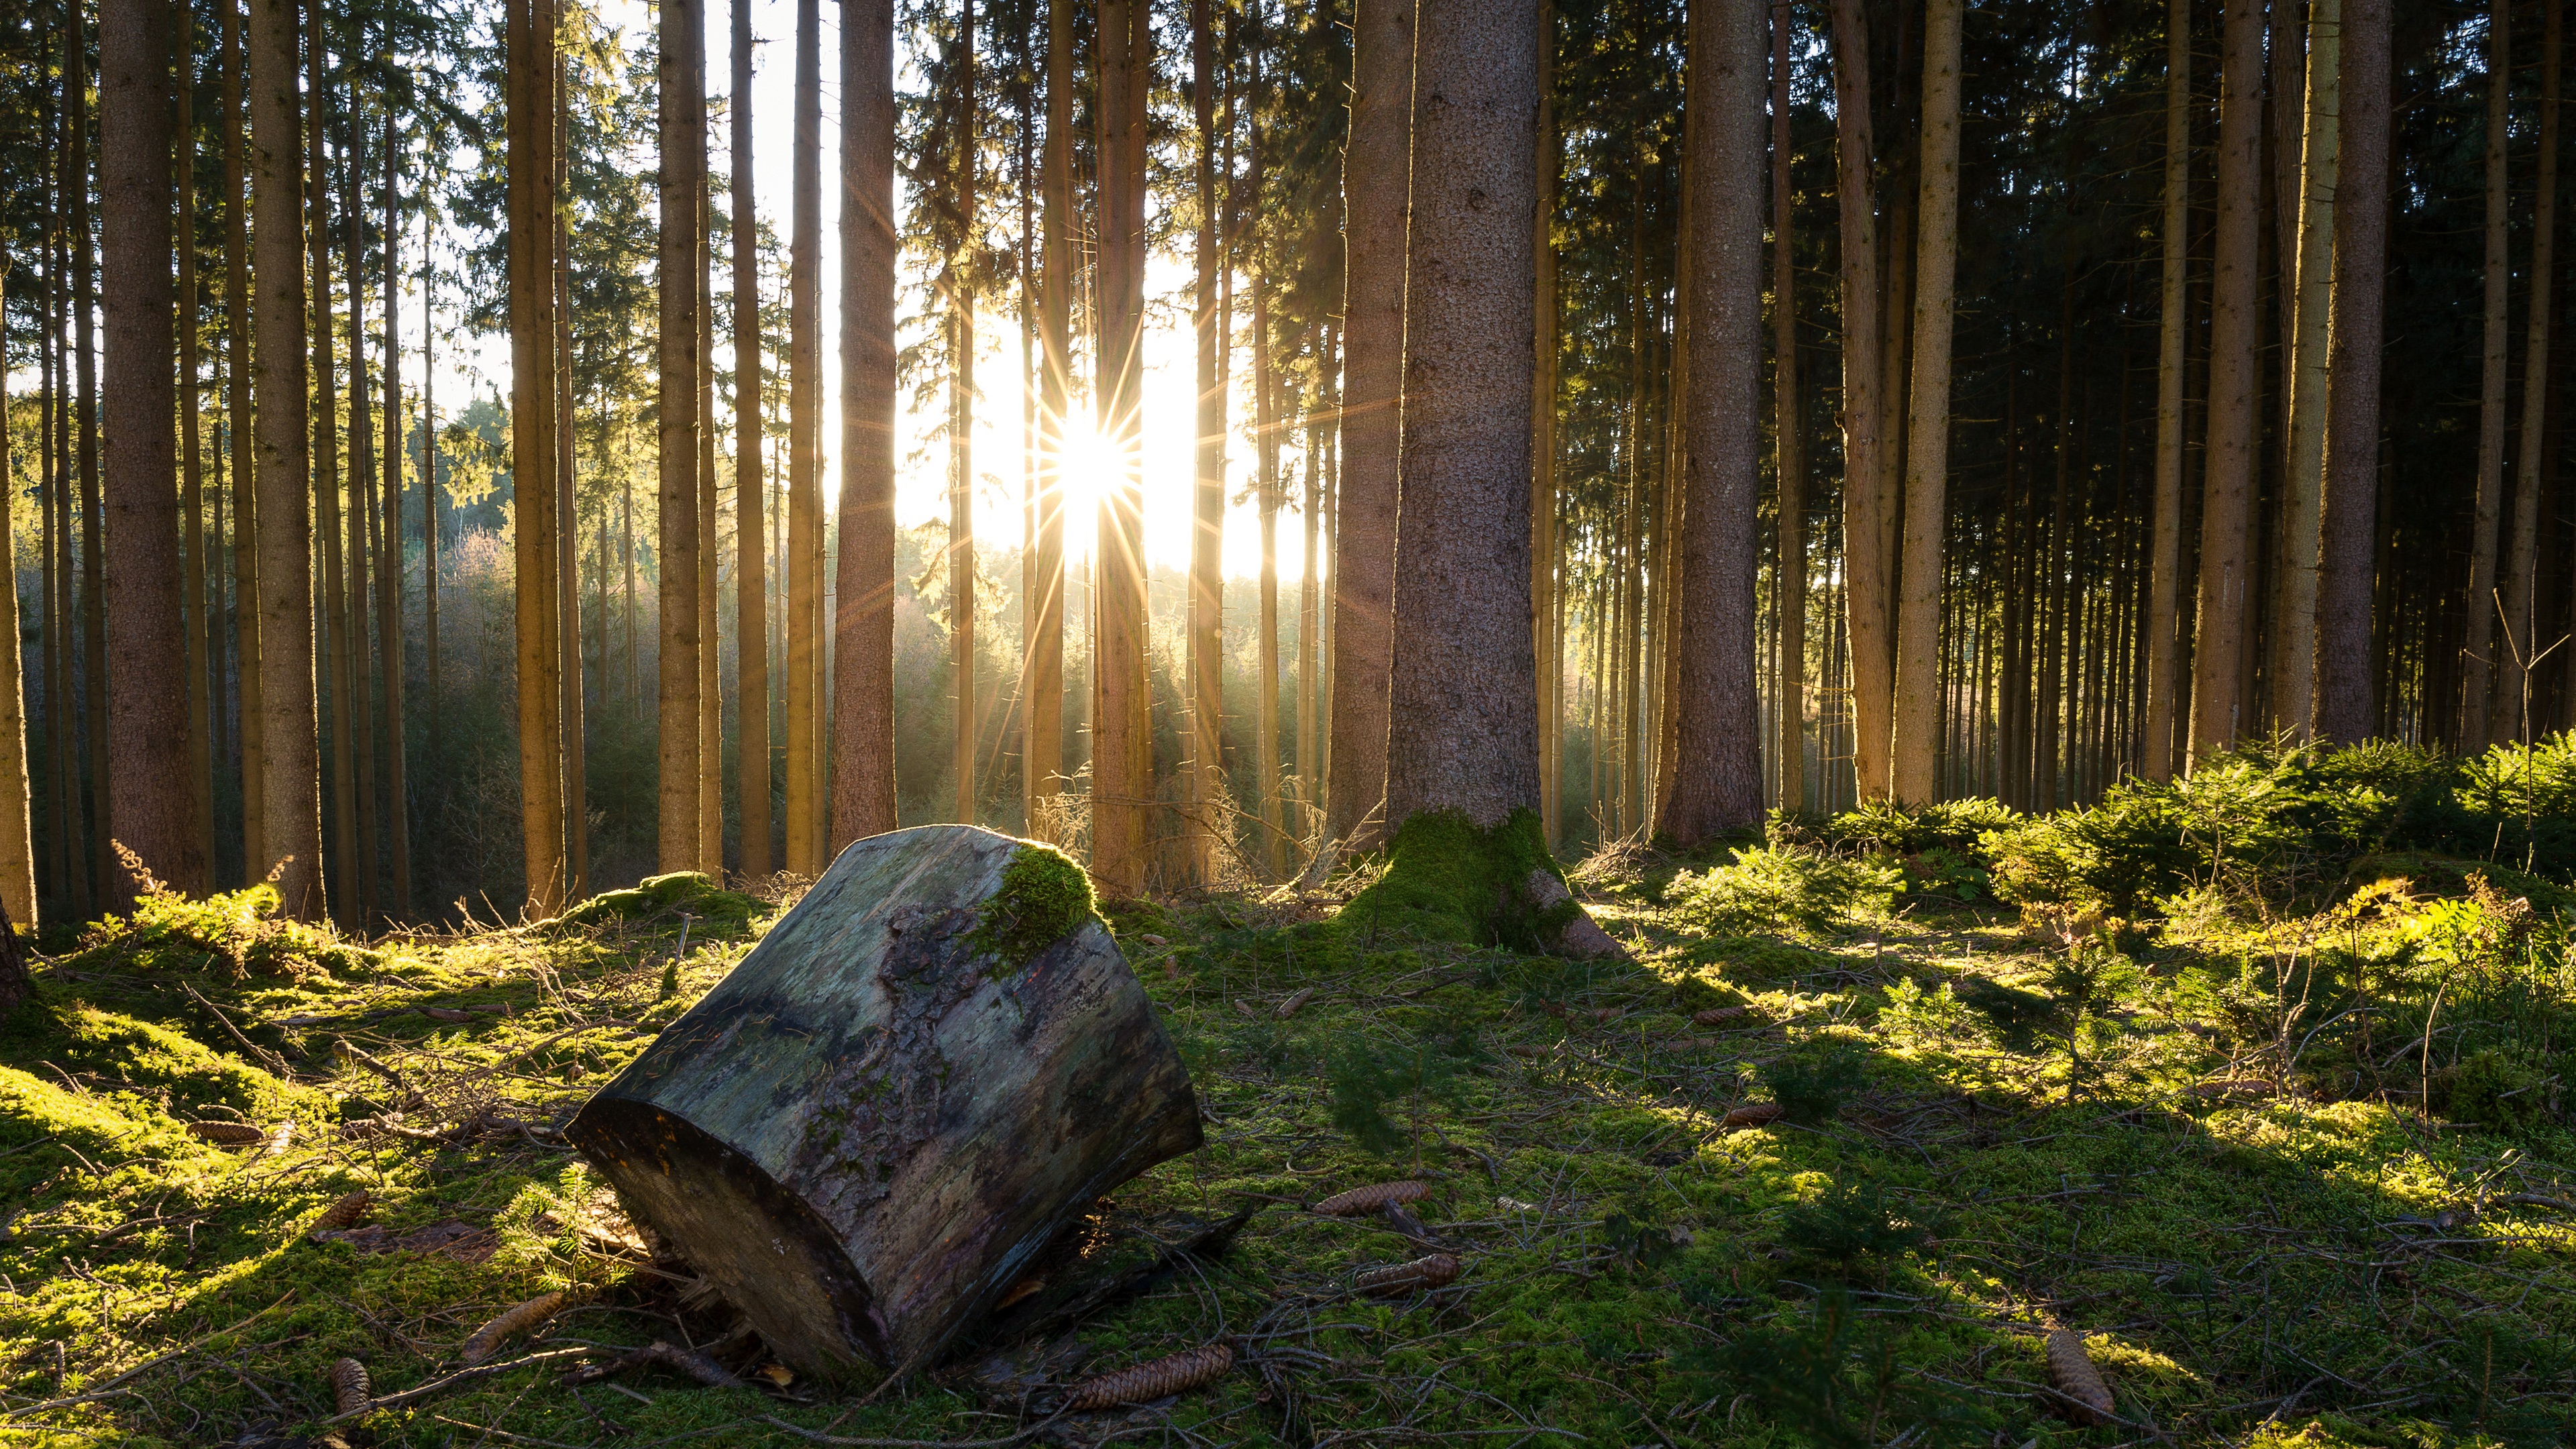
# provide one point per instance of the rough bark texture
(1715, 771)
(928, 1067)
(2347, 529)
(290, 782)
(1122, 776)
(389, 625)
(238, 369)
(1374, 168)
(2164, 582)
(862, 782)
(1545, 604)
(17, 819)
(683, 122)
(801, 695)
(1790, 433)
(147, 722)
(1866, 565)
(1044, 764)
(961, 431)
(1462, 706)
(534, 450)
(1917, 742)
(2478, 646)
(2234, 380)
(751, 521)
(2517, 650)
(2294, 625)
(1207, 490)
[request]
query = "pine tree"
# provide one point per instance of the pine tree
(751, 527)
(862, 781)
(683, 123)
(1927, 473)
(2218, 634)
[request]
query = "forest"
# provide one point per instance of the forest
(1817, 722)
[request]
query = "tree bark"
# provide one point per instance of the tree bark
(1122, 777)
(1207, 489)
(1546, 606)
(683, 126)
(533, 457)
(195, 615)
(2478, 648)
(239, 424)
(2164, 602)
(148, 711)
(1866, 567)
(2294, 653)
(565, 621)
(863, 596)
(1789, 436)
(2218, 633)
(2520, 643)
(17, 815)
(711, 815)
(801, 698)
(751, 528)
(1044, 765)
(1374, 168)
(961, 428)
(1462, 702)
(1927, 474)
(389, 607)
(332, 613)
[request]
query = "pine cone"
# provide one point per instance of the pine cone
(348, 1212)
(1147, 1382)
(1396, 1279)
(2075, 1376)
(226, 1132)
(517, 1320)
(1293, 1004)
(350, 1389)
(1716, 1014)
(1752, 1114)
(1361, 1201)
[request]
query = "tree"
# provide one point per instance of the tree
(2164, 580)
(238, 368)
(290, 780)
(961, 422)
(2520, 641)
(2218, 634)
(1789, 434)
(1043, 608)
(147, 725)
(389, 611)
(17, 815)
(2477, 648)
(1927, 473)
(1547, 607)
(1122, 736)
(1715, 777)
(751, 525)
(683, 259)
(1865, 502)
(1207, 490)
(803, 693)
(533, 448)
(2347, 526)
(2295, 618)
(863, 595)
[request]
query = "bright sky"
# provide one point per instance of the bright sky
(921, 494)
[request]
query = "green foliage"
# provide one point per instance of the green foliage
(1784, 888)
(1044, 898)
(1365, 1078)
(1838, 1381)
(1812, 1082)
(1883, 824)
(1855, 1228)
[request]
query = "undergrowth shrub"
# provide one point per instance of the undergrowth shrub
(235, 934)
(1788, 889)
(1813, 1081)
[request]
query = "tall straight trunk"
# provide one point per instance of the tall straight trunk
(1789, 438)
(1309, 620)
(2055, 561)
(801, 698)
(332, 613)
(103, 866)
(961, 427)
(53, 630)
(1927, 464)
(533, 456)
(1546, 605)
(1866, 568)
(1122, 782)
(2521, 642)
(2218, 632)
(566, 621)
(751, 526)
(1714, 781)
(1044, 765)
(2478, 644)
(1207, 489)
(1375, 164)
(155, 806)
(2164, 605)
(2303, 493)
(683, 131)
(239, 433)
(192, 494)
(429, 528)
(710, 624)
(863, 594)
(17, 815)
(389, 599)
(71, 871)
(2349, 529)
(1265, 434)
(1462, 702)
(362, 470)
(290, 780)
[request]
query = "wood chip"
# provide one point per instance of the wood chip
(1752, 1114)
(1395, 1279)
(1147, 1382)
(1361, 1201)
(516, 1320)
(350, 1388)
(2072, 1370)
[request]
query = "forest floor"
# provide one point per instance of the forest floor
(2248, 1263)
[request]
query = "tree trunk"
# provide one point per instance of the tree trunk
(862, 780)
(1044, 765)
(1462, 703)
(1789, 435)
(751, 528)
(389, 610)
(2164, 604)
(954, 1093)
(533, 457)
(2520, 643)
(565, 620)
(710, 625)
(2218, 633)
(1865, 566)
(1546, 605)
(1715, 769)
(362, 471)
(192, 500)
(17, 815)
(148, 720)
(1122, 779)
(961, 428)
(429, 527)
(1207, 489)
(239, 425)
(2294, 653)
(332, 616)
(1927, 474)
(1374, 167)
(683, 122)
(801, 699)
(2478, 649)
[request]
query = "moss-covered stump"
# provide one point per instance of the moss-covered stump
(916, 1078)
(1449, 879)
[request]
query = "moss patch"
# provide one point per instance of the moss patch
(1044, 898)
(1449, 879)
(681, 890)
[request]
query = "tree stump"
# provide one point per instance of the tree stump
(935, 1060)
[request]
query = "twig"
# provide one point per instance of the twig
(819, 1437)
(437, 1386)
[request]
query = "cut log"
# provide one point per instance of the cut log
(931, 1064)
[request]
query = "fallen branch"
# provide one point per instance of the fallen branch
(687, 1360)
(461, 1376)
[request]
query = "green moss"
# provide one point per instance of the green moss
(681, 890)
(232, 934)
(1044, 898)
(1449, 879)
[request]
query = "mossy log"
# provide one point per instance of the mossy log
(932, 1063)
